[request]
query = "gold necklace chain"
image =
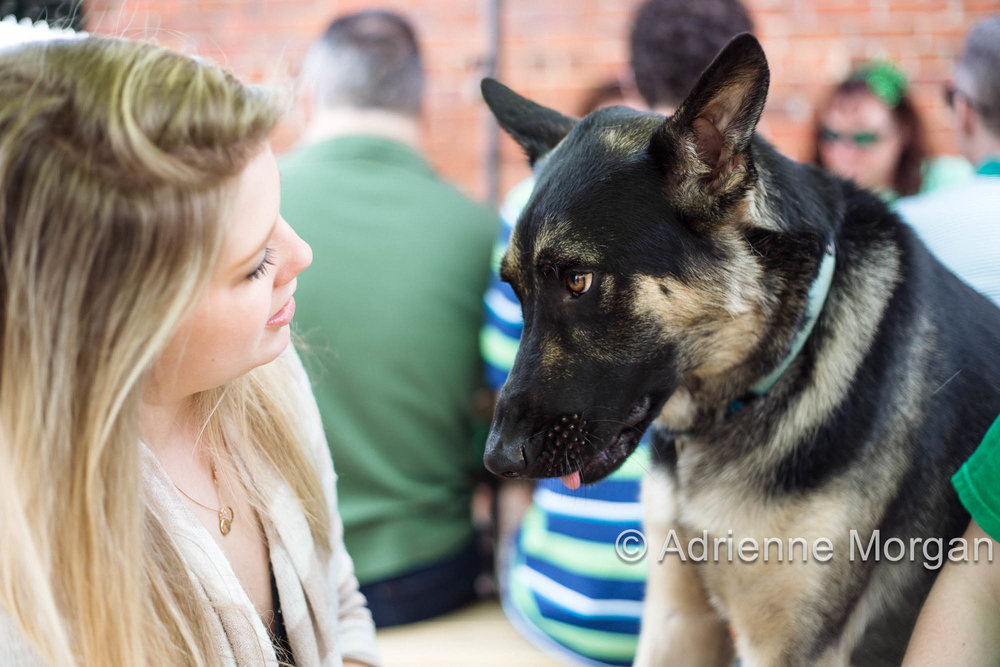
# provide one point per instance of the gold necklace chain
(226, 514)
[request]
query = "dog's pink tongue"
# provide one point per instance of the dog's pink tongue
(572, 481)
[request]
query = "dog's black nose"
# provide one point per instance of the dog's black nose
(499, 460)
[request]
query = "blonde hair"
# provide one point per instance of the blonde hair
(116, 160)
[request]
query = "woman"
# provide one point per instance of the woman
(163, 472)
(868, 131)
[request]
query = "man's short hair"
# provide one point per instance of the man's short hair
(978, 71)
(673, 41)
(366, 60)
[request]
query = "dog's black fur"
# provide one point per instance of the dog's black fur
(698, 244)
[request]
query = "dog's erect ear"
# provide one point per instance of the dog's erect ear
(708, 137)
(538, 129)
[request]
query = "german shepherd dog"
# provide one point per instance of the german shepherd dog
(810, 369)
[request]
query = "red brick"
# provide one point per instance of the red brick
(554, 50)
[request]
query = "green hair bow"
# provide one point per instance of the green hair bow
(884, 80)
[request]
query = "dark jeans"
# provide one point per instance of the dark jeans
(429, 591)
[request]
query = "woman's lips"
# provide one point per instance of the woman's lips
(283, 316)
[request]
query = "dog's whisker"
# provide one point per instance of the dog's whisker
(608, 421)
(943, 384)
(536, 434)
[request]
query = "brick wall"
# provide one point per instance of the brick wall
(555, 50)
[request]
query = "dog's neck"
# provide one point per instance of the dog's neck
(818, 292)
(343, 121)
(692, 409)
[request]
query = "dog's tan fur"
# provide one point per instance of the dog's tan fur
(754, 597)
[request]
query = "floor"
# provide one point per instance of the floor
(479, 635)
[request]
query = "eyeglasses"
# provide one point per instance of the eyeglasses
(949, 95)
(859, 139)
(951, 92)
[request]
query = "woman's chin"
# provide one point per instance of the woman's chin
(277, 341)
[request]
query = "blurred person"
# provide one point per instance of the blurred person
(959, 623)
(868, 131)
(609, 93)
(392, 308)
(164, 476)
(961, 225)
(562, 584)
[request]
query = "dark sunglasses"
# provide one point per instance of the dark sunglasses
(951, 92)
(859, 139)
(949, 95)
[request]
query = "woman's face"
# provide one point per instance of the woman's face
(242, 319)
(860, 140)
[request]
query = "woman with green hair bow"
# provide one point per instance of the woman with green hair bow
(868, 131)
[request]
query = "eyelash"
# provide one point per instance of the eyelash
(261, 269)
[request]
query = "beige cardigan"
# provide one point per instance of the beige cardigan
(324, 613)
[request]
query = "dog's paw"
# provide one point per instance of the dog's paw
(697, 640)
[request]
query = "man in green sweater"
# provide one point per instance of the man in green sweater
(389, 314)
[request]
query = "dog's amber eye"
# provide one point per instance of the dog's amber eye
(579, 283)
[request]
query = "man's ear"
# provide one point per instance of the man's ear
(706, 142)
(536, 128)
(306, 102)
(966, 117)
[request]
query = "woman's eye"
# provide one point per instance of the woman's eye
(579, 283)
(261, 269)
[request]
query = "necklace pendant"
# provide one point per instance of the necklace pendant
(226, 520)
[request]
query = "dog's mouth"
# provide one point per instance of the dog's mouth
(588, 462)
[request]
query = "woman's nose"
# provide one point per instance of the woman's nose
(298, 256)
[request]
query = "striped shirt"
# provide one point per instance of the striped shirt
(961, 226)
(562, 583)
(501, 330)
